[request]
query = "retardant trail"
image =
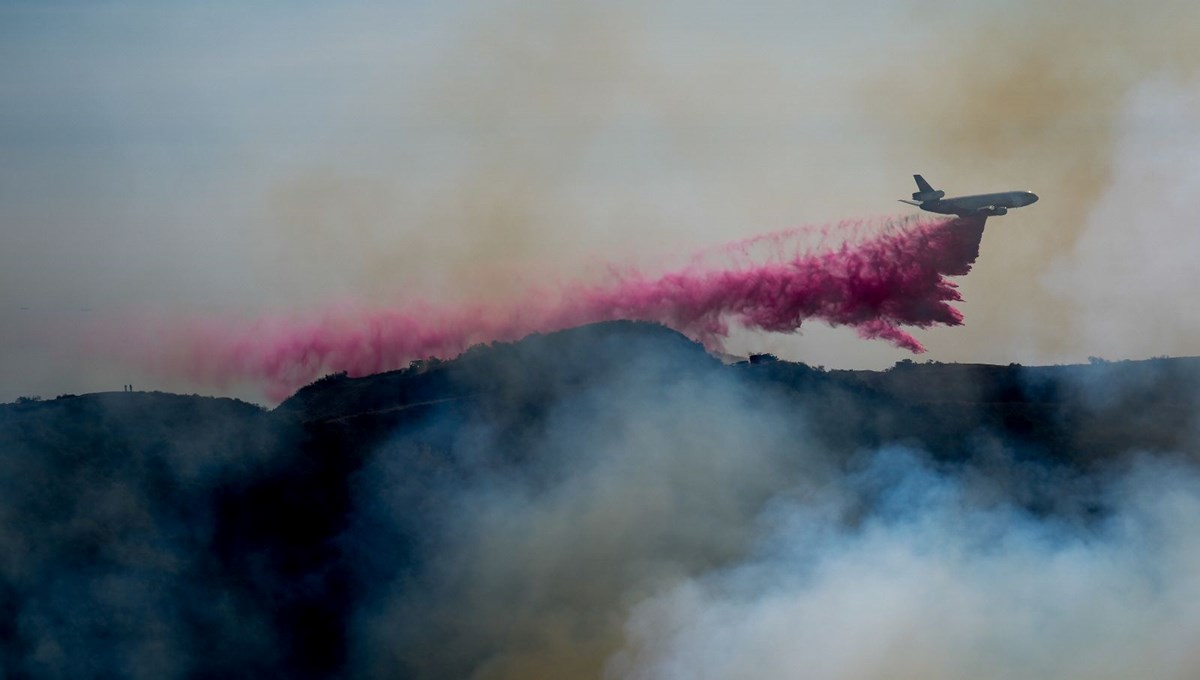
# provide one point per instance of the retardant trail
(879, 278)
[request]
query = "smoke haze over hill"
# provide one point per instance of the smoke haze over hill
(611, 501)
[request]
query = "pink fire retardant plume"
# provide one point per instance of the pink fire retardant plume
(875, 282)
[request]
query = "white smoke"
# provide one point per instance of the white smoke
(932, 584)
(634, 487)
(1133, 267)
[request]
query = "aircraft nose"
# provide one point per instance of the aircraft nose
(1030, 197)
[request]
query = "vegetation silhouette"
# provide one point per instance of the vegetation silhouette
(227, 525)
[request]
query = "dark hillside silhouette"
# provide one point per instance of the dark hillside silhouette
(210, 537)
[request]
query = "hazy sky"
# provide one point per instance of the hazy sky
(224, 158)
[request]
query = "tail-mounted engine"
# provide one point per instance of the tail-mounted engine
(928, 195)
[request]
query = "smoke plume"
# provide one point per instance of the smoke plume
(611, 500)
(931, 584)
(880, 277)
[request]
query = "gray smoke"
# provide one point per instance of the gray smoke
(931, 584)
(694, 528)
(636, 483)
(612, 501)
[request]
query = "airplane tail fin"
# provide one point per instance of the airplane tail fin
(925, 191)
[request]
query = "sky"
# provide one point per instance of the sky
(231, 160)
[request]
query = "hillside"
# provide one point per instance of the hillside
(351, 529)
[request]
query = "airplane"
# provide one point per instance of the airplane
(989, 205)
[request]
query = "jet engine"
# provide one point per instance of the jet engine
(928, 195)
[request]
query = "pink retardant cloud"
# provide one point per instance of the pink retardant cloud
(878, 278)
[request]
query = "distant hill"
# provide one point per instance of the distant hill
(1075, 412)
(203, 536)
